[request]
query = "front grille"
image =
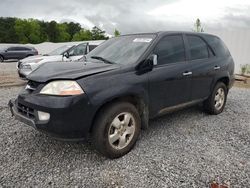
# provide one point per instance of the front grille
(26, 111)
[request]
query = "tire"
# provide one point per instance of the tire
(110, 133)
(1, 59)
(217, 100)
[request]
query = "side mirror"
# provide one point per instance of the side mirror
(66, 54)
(147, 65)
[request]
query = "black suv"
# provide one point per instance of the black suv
(17, 52)
(122, 84)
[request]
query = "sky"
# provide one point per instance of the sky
(131, 16)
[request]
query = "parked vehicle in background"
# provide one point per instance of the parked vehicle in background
(17, 52)
(64, 53)
(125, 82)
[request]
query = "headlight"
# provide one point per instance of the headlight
(62, 87)
(25, 66)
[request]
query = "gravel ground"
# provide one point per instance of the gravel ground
(184, 149)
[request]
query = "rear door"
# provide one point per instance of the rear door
(170, 80)
(23, 52)
(202, 61)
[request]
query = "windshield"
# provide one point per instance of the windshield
(60, 50)
(122, 50)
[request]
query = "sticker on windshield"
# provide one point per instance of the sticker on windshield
(142, 40)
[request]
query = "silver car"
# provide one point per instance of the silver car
(64, 53)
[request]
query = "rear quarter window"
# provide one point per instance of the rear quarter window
(197, 47)
(217, 45)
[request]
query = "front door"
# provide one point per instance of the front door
(170, 80)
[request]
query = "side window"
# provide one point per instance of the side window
(18, 48)
(11, 49)
(78, 50)
(25, 49)
(92, 47)
(198, 48)
(170, 50)
(218, 45)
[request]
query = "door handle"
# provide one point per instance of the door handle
(187, 73)
(216, 67)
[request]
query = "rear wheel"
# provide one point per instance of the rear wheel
(116, 129)
(217, 100)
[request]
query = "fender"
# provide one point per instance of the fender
(223, 74)
(139, 93)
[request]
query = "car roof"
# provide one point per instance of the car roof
(160, 33)
(23, 46)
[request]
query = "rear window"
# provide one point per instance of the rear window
(92, 47)
(217, 45)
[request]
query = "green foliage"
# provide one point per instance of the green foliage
(7, 30)
(197, 26)
(117, 33)
(52, 31)
(14, 30)
(98, 34)
(28, 31)
(73, 28)
(63, 36)
(82, 35)
(245, 69)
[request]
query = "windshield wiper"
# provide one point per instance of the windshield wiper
(102, 59)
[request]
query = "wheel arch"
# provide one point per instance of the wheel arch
(224, 78)
(138, 101)
(1, 55)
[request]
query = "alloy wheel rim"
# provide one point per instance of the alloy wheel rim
(219, 99)
(121, 130)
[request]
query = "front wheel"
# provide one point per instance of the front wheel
(217, 100)
(116, 129)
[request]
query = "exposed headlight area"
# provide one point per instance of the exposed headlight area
(25, 66)
(62, 88)
(21, 63)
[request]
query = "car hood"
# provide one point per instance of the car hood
(32, 58)
(43, 57)
(68, 70)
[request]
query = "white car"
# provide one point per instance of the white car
(64, 53)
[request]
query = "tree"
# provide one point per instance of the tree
(98, 34)
(82, 35)
(73, 28)
(197, 26)
(7, 30)
(28, 31)
(116, 33)
(15, 30)
(63, 35)
(44, 35)
(52, 31)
